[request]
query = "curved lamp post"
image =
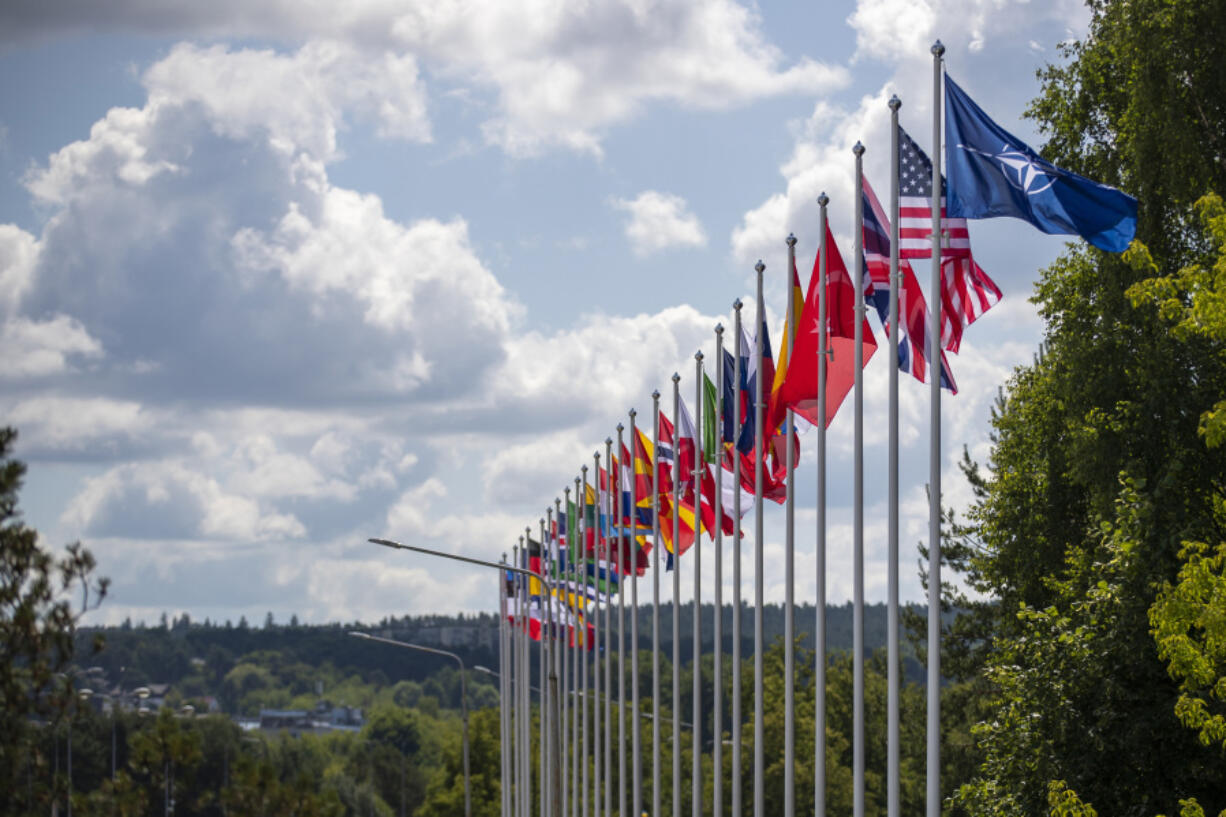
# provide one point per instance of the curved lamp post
(463, 699)
(551, 698)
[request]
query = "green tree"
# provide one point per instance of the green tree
(38, 618)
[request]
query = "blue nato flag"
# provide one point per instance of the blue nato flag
(993, 173)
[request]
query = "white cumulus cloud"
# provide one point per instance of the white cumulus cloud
(659, 221)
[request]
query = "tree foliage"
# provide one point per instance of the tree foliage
(38, 619)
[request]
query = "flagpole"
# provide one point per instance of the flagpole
(543, 699)
(620, 517)
(759, 710)
(819, 651)
(934, 458)
(563, 649)
(521, 665)
(581, 582)
(857, 636)
(503, 698)
(696, 718)
(676, 597)
(892, 803)
(576, 651)
(736, 568)
(717, 726)
(789, 560)
(597, 734)
(636, 736)
(655, 604)
(607, 775)
(547, 649)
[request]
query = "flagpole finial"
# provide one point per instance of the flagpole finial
(791, 240)
(633, 414)
(655, 394)
(823, 199)
(584, 468)
(759, 267)
(620, 429)
(895, 103)
(719, 329)
(737, 304)
(858, 149)
(938, 49)
(608, 440)
(677, 377)
(698, 356)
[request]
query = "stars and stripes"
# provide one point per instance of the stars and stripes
(915, 207)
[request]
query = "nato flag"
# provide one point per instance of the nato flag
(993, 173)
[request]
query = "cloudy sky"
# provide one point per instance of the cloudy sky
(281, 276)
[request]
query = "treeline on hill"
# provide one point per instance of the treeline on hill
(245, 668)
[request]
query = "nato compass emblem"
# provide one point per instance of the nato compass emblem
(1029, 175)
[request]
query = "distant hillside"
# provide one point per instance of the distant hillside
(180, 649)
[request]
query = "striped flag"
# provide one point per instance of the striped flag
(915, 208)
(966, 293)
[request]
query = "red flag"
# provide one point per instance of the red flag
(966, 293)
(799, 389)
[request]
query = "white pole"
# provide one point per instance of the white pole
(636, 736)
(655, 604)
(819, 653)
(737, 611)
(759, 710)
(608, 628)
(676, 597)
(857, 637)
(620, 519)
(934, 457)
(581, 533)
(789, 560)
(717, 726)
(696, 718)
(892, 802)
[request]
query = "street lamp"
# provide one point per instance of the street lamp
(550, 700)
(463, 699)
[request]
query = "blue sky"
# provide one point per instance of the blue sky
(278, 277)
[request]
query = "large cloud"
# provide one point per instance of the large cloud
(562, 72)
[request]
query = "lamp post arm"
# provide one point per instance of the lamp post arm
(481, 562)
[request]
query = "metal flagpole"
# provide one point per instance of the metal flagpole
(696, 718)
(523, 680)
(620, 519)
(503, 698)
(892, 803)
(737, 612)
(581, 582)
(819, 653)
(636, 736)
(655, 603)
(545, 648)
(563, 646)
(717, 726)
(759, 638)
(857, 637)
(543, 756)
(517, 715)
(607, 775)
(934, 456)
(578, 649)
(525, 687)
(597, 742)
(676, 598)
(789, 560)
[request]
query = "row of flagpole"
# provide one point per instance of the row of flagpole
(576, 756)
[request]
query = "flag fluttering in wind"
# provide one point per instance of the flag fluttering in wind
(993, 173)
(912, 309)
(799, 389)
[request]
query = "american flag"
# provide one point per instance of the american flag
(915, 208)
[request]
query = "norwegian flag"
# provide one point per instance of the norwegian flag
(915, 208)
